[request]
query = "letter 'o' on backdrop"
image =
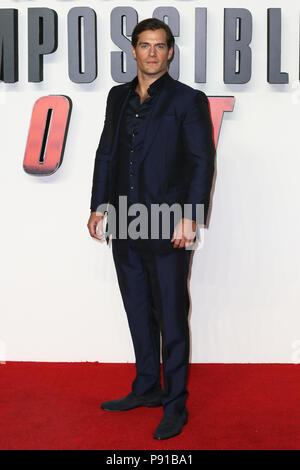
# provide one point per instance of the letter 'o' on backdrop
(47, 134)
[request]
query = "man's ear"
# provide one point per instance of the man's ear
(133, 52)
(170, 53)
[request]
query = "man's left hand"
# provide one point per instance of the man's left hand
(184, 233)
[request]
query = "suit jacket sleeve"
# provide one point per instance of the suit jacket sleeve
(199, 152)
(100, 186)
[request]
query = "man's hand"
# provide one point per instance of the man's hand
(184, 233)
(95, 226)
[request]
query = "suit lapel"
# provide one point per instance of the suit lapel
(153, 120)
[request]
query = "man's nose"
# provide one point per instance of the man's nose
(152, 50)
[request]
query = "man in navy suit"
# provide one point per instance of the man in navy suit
(156, 149)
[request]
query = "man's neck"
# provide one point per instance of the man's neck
(144, 81)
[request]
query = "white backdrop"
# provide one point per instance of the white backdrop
(60, 299)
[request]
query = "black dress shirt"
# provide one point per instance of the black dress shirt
(131, 138)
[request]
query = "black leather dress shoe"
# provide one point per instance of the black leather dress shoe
(133, 401)
(171, 425)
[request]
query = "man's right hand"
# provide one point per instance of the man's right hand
(95, 226)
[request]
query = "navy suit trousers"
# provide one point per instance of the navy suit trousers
(155, 295)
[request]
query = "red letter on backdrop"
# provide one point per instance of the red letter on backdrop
(49, 127)
(47, 134)
(218, 105)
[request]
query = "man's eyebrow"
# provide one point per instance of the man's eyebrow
(157, 43)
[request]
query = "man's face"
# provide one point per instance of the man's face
(151, 52)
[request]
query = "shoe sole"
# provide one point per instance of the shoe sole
(149, 405)
(173, 435)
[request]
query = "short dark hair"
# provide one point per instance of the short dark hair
(152, 24)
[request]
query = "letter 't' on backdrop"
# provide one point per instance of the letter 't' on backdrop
(47, 135)
(218, 106)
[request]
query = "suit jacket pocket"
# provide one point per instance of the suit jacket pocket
(176, 189)
(176, 195)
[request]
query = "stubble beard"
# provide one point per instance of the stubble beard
(150, 73)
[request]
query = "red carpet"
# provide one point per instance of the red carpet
(231, 406)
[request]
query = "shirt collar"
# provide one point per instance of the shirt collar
(154, 87)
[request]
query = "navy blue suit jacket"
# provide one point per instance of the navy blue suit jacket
(177, 161)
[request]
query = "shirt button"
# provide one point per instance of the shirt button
(131, 151)
(131, 187)
(136, 115)
(131, 162)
